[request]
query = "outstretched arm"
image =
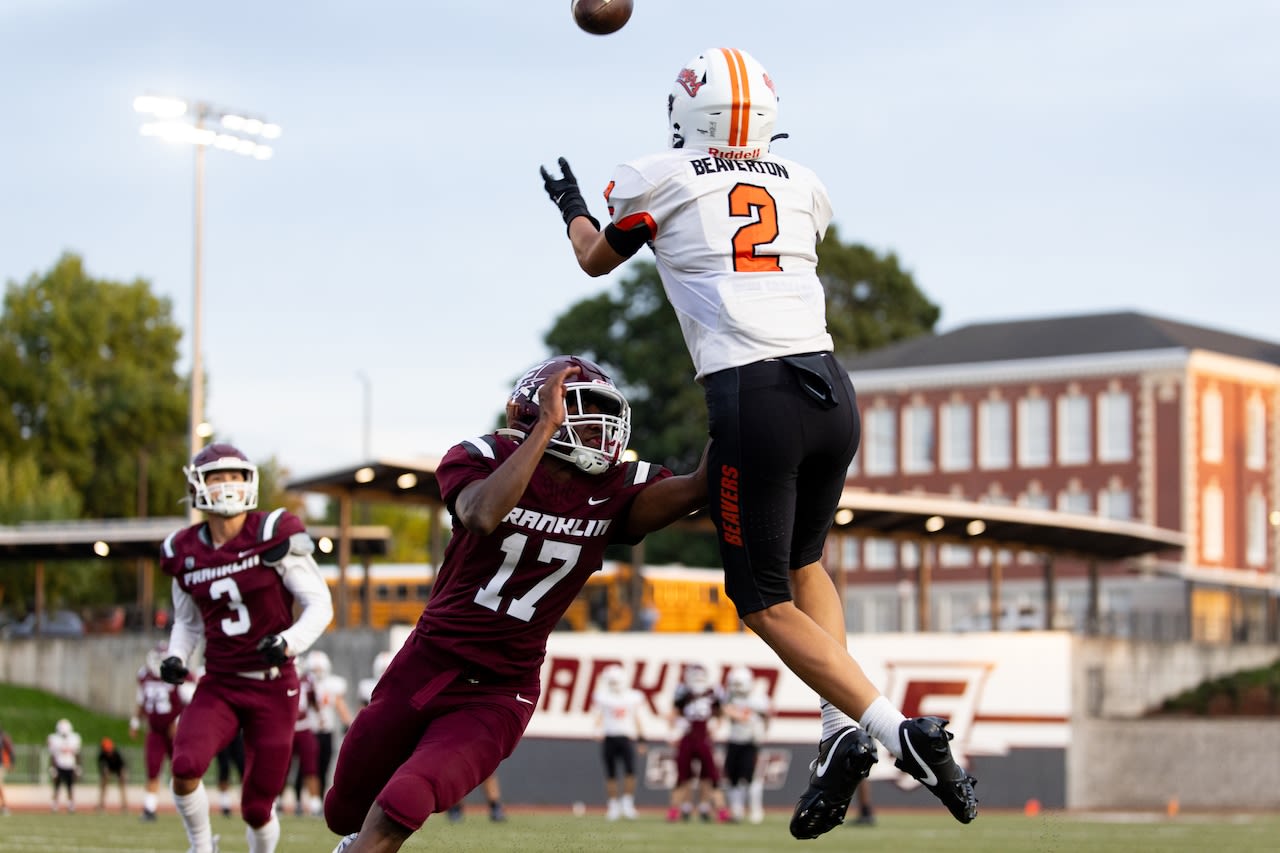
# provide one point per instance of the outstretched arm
(669, 500)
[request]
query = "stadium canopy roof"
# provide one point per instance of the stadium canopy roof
(139, 537)
(919, 517)
(924, 517)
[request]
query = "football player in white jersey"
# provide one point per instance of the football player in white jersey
(734, 231)
(63, 747)
(617, 711)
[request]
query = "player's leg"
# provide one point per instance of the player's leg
(268, 713)
(206, 725)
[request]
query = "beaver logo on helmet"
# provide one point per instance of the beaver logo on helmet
(226, 498)
(598, 423)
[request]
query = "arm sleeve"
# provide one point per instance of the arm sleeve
(187, 626)
(302, 577)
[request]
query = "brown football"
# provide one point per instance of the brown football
(601, 17)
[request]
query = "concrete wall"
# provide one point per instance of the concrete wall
(1115, 760)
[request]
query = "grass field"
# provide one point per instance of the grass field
(552, 833)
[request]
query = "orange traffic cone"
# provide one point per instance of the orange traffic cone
(1032, 808)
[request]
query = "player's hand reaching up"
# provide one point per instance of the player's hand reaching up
(566, 195)
(551, 406)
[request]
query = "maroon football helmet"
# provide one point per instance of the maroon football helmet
(598, 427)
(226, 498)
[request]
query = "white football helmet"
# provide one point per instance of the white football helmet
(319, 664)
(696, 678)
(615, 680)
(227, 498)
(155, 656)
(740, 681)
(723, 103)
(63, 727)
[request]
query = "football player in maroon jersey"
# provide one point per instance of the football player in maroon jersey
(159, 705)
(236, 577)
(533, 506)
(695, 708)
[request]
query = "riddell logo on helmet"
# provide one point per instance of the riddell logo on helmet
(753, 154)
(689, 81)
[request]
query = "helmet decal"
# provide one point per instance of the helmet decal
(689, 80)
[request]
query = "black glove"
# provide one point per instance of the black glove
(274, 650)
(172, 670)
(565, 193)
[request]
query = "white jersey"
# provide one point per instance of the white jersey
(65, 750)
(748, 717)
(328, 690)
(736, 246)
(618, 711)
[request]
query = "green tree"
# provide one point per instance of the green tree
(88, 388)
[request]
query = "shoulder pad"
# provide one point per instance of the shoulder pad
(298, 543)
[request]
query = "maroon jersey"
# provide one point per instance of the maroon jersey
(696, 708)
(497, 597)
(160, 701)
(241, 598)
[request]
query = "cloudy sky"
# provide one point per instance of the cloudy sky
(1022, 160)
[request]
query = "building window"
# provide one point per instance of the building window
(1034, 499)
(1115, 427)
(1256, 530)
(1255, 439)
(957, 437)
(1033, 432)
(881, 446)
(1074, 500)
(917, 439)
(1211, 426)
(1115, 502)
(1074, 430)
(881, 554)
(995, 434)
(849, 547)
(951, 556)
(1212, 534)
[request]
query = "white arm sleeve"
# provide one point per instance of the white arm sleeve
(302, 577)
(188, 629)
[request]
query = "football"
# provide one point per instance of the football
(601, 17)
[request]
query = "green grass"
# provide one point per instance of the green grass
(28, 715)
(543, 832)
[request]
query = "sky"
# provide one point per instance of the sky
(1020, 159)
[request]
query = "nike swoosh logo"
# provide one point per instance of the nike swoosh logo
(929, 778)
(826, 762)
(293, 692)
(596, 501)
(520, 698)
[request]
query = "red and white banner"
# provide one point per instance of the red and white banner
(999, 690)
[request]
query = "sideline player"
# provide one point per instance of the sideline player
(534, 507)
(617, 712)
(159, 705)
(747, 711)
(734, 230)
(236, 578)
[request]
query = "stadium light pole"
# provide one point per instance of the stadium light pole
(185, 122)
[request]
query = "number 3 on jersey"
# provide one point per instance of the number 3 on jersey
(490, 595)
(754, 201)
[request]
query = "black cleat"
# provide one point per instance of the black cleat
(926, 755)
(844, 760)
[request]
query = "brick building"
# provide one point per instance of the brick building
(1123, 416)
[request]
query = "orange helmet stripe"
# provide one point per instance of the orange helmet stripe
(740, 113)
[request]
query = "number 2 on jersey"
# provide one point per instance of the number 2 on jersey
(490, 595)
(754, 201)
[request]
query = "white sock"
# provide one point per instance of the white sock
(265, 838)
(150, 802)
(881, 720)
(224, 799)
(194, 810)
(628, 801)
(833, 720)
